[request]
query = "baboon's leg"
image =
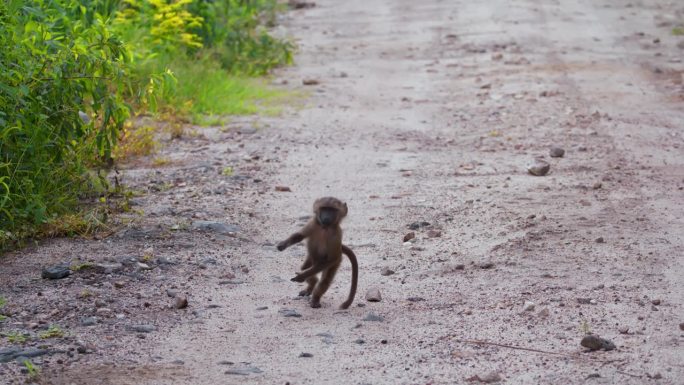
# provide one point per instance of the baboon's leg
(323, 284)
(311, 281)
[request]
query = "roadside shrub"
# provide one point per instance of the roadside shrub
(60, 112)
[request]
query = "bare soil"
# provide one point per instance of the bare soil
(422, 111)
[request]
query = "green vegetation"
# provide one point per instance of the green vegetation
(72, 72)
(53, 331)
(678, 31)
(32, 371)
(15, 337)
(3, 301)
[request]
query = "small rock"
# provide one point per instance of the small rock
(262, 308)
(434, 233)
(56, 272)
(623, 329)
(373, 295)
(487, 378)
(359, 341)
(103, 311)
(556, 152)
(681, 326)
(593, 375)
(310, 82)
(486, 265)
(415, 299)
(107, 268)
(100, 303)
(282, 188)
(289, 313)
(544, 313)
(386, 271)
(594, 342)
(119, 284)
(656, 301)
(305, 355)
(528, 306)
(216, 227)
(539, 167)
(171, 293)
(409, 236)
(597, 186)
(142, 328)
(584, 301)
(143, 266)
(600, 240)
(418, 225)
(373, 318)
(89, 321)
(181, 302)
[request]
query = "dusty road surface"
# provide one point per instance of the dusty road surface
(426, 115)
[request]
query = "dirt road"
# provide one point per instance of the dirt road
(426, 111)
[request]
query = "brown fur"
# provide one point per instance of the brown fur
(325, 249)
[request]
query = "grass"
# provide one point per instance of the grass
(206, 90)
(678, 31)
(3, 301)
(53, 331)
(16, 337)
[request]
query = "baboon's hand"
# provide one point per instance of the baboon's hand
(298, 278)
(282, 246)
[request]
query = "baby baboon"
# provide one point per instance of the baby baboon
(325, 248)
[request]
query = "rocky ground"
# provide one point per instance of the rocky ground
(425, 117)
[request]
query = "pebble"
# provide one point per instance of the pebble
(359, 341)
(544, 312)
(181, 302)
(373, 295)
(310, 82)
(119, 284)
(597, 185)
(539, 167)
(528, 306)
(143, 266)
(600, 240)
(594, 342)
(386, 271)
(171, 293)
(486, 265)
(487, 378)
(103, 311)
(584, 301)
(623, 329)
(305, 355)
(89, 321)
(216, 227)
(656, 302)
(434, 233)
(107, 268)
(681, 326)
(409, 236)
(418, 225)
(56, 272)
(289, 313)
(283, 189)
(415, 299)
(262, 308)
(373, 317)
(556, 152)
(142, 328)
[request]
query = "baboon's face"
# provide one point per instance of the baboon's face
(329, 211)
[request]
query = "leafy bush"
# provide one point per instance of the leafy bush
(71, 72)
(56, 61)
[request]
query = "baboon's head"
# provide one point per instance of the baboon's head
(329, 211)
